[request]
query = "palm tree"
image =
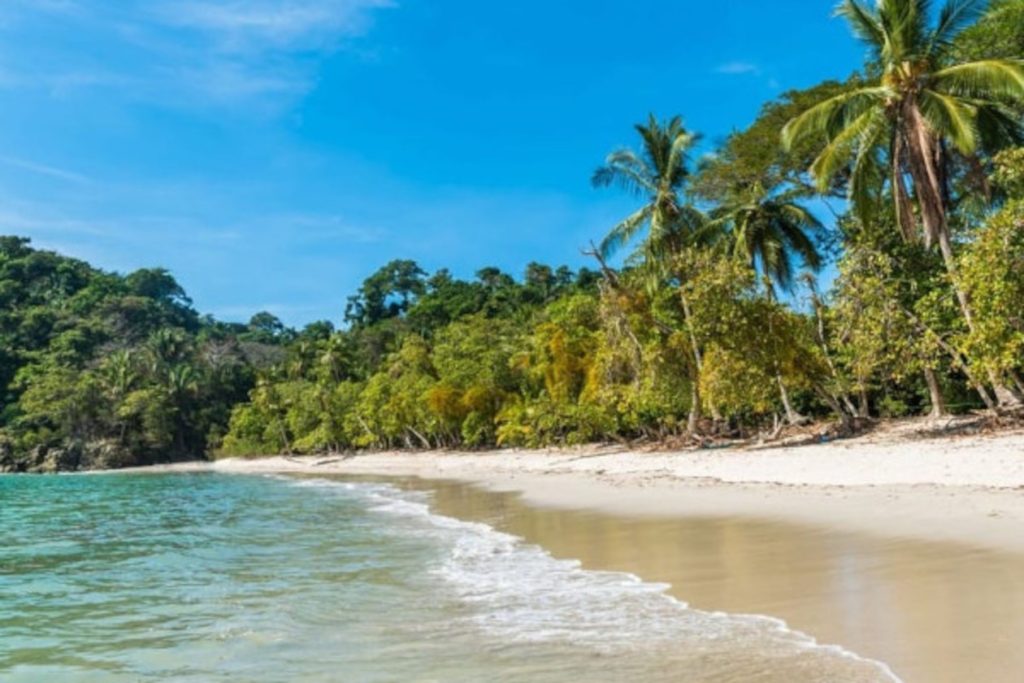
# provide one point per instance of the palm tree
(768, 231)
(901, 125)
(658, 174)
(181, 386)
(334, 358)
(921, 103)
(120, 374)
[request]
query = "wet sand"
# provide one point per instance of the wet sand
(935, 612)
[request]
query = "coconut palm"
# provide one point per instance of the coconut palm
(658, 174)
(903, 124)
(768, 231)
(920, 104)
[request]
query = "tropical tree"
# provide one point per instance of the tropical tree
(769, 231)
(658, 174)
(766, 232)
(904, 123)
(921, 103)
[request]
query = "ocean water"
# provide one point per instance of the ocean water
(208, 577)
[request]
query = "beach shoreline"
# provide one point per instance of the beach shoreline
(894, 482)
(904, 549)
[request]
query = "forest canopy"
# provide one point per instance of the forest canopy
(705, 315)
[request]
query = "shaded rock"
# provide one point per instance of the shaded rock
(8, 463)
(106, 455)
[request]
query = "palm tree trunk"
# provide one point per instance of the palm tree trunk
(904, 207)
(935, 393)
(924, 170)
(922, 158)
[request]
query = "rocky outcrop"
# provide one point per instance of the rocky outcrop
(8, 463)
(70, 457)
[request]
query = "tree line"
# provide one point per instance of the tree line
(702, 317)
(99, 370)
(715, 324)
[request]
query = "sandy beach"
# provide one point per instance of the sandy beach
(895, 481)
(900, 546)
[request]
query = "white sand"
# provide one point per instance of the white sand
(894, 481)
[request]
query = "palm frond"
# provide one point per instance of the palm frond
(867, 174)
(655, 142)
(798, 241)
(800, 216)
(627, 158)
(766, 233)
(832, 115)
(902, 206)
(689, 227)
(625, 169)
(955, 16)
(837, 152)
(864, 24)
(998, 127)
(950, 118)
(906, 22)
(893, 18)
(777, 263)
(625, 231)
(1000, 80)
(677, 156)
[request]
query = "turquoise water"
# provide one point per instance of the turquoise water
(209, 577)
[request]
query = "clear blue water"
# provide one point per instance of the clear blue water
(208, 577)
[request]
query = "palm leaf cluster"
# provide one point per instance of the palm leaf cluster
(767, 229)
(771, 232)
(658, 173)
(919, 108)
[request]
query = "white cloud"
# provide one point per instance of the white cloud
(179, 52)
(225, 82)
(43, 169)
(738, 68)
(280, 24)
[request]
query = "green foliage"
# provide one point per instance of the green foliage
(998, 35)
(924, 103)
(658, 174)
(992, 272)
(754, 156)
(99, 370)
(1009, 172)
(387, 293)
(103, 370)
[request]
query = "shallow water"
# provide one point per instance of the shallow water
(244, 578)
(935, 612)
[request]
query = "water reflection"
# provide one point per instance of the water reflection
(935, 612)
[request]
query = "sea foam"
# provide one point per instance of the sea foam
(520, 593)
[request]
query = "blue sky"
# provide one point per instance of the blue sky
(273, 153)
